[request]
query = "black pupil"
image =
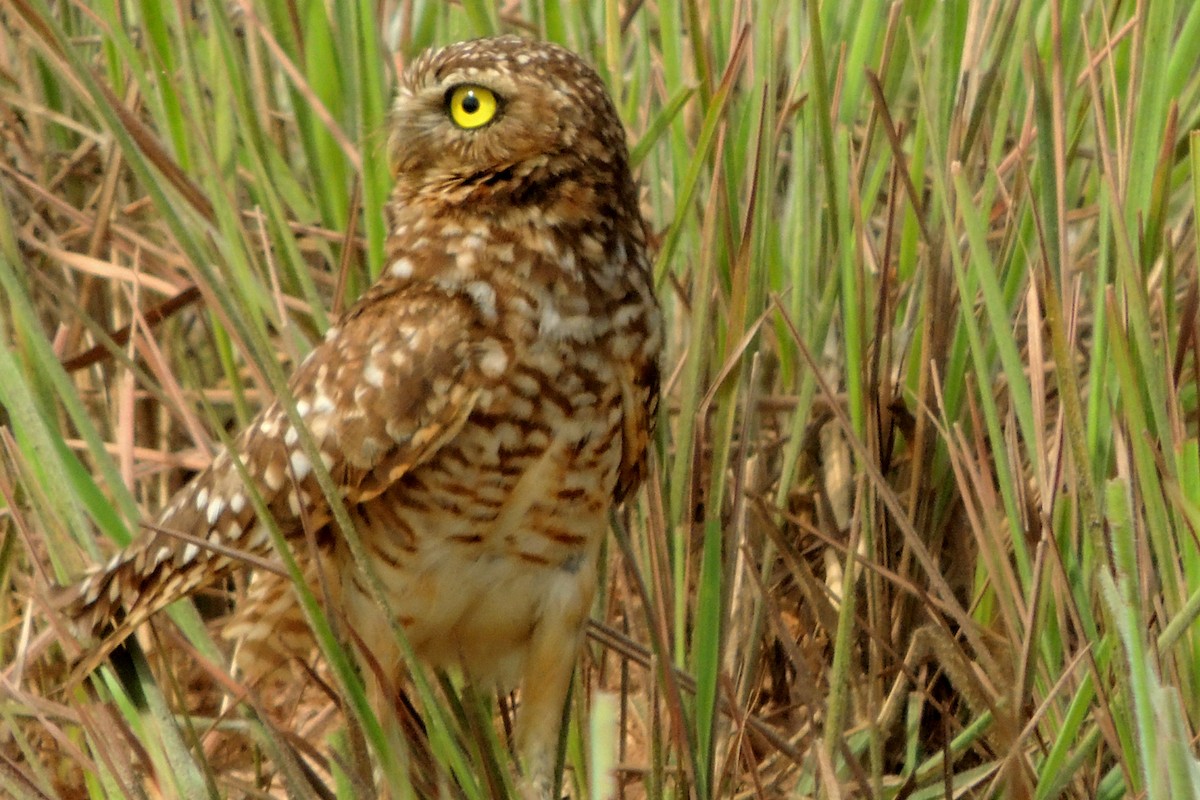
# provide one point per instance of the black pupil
(470, 103)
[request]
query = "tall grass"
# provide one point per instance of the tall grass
(923, 514)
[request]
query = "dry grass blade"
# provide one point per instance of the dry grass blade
(922, 518)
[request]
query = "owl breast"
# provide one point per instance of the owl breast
(504, 523)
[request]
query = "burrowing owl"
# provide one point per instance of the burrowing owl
(479, 410)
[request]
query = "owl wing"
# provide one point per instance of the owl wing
(393, 381)
(639, 401)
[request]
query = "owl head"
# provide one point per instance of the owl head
(505, 120)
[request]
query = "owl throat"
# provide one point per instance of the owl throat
(570, 246)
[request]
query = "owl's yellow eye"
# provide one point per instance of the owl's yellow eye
(472, 106)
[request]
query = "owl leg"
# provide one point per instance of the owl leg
(378, 653)
(550, 663)
(380, 665)
(540, 717)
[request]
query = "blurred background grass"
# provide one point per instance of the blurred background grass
(923, 519)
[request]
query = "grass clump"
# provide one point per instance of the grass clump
(923, 515)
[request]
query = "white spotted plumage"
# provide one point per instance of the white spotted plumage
(479, 409)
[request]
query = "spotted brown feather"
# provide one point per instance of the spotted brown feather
(354, 394)
(480, 409)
